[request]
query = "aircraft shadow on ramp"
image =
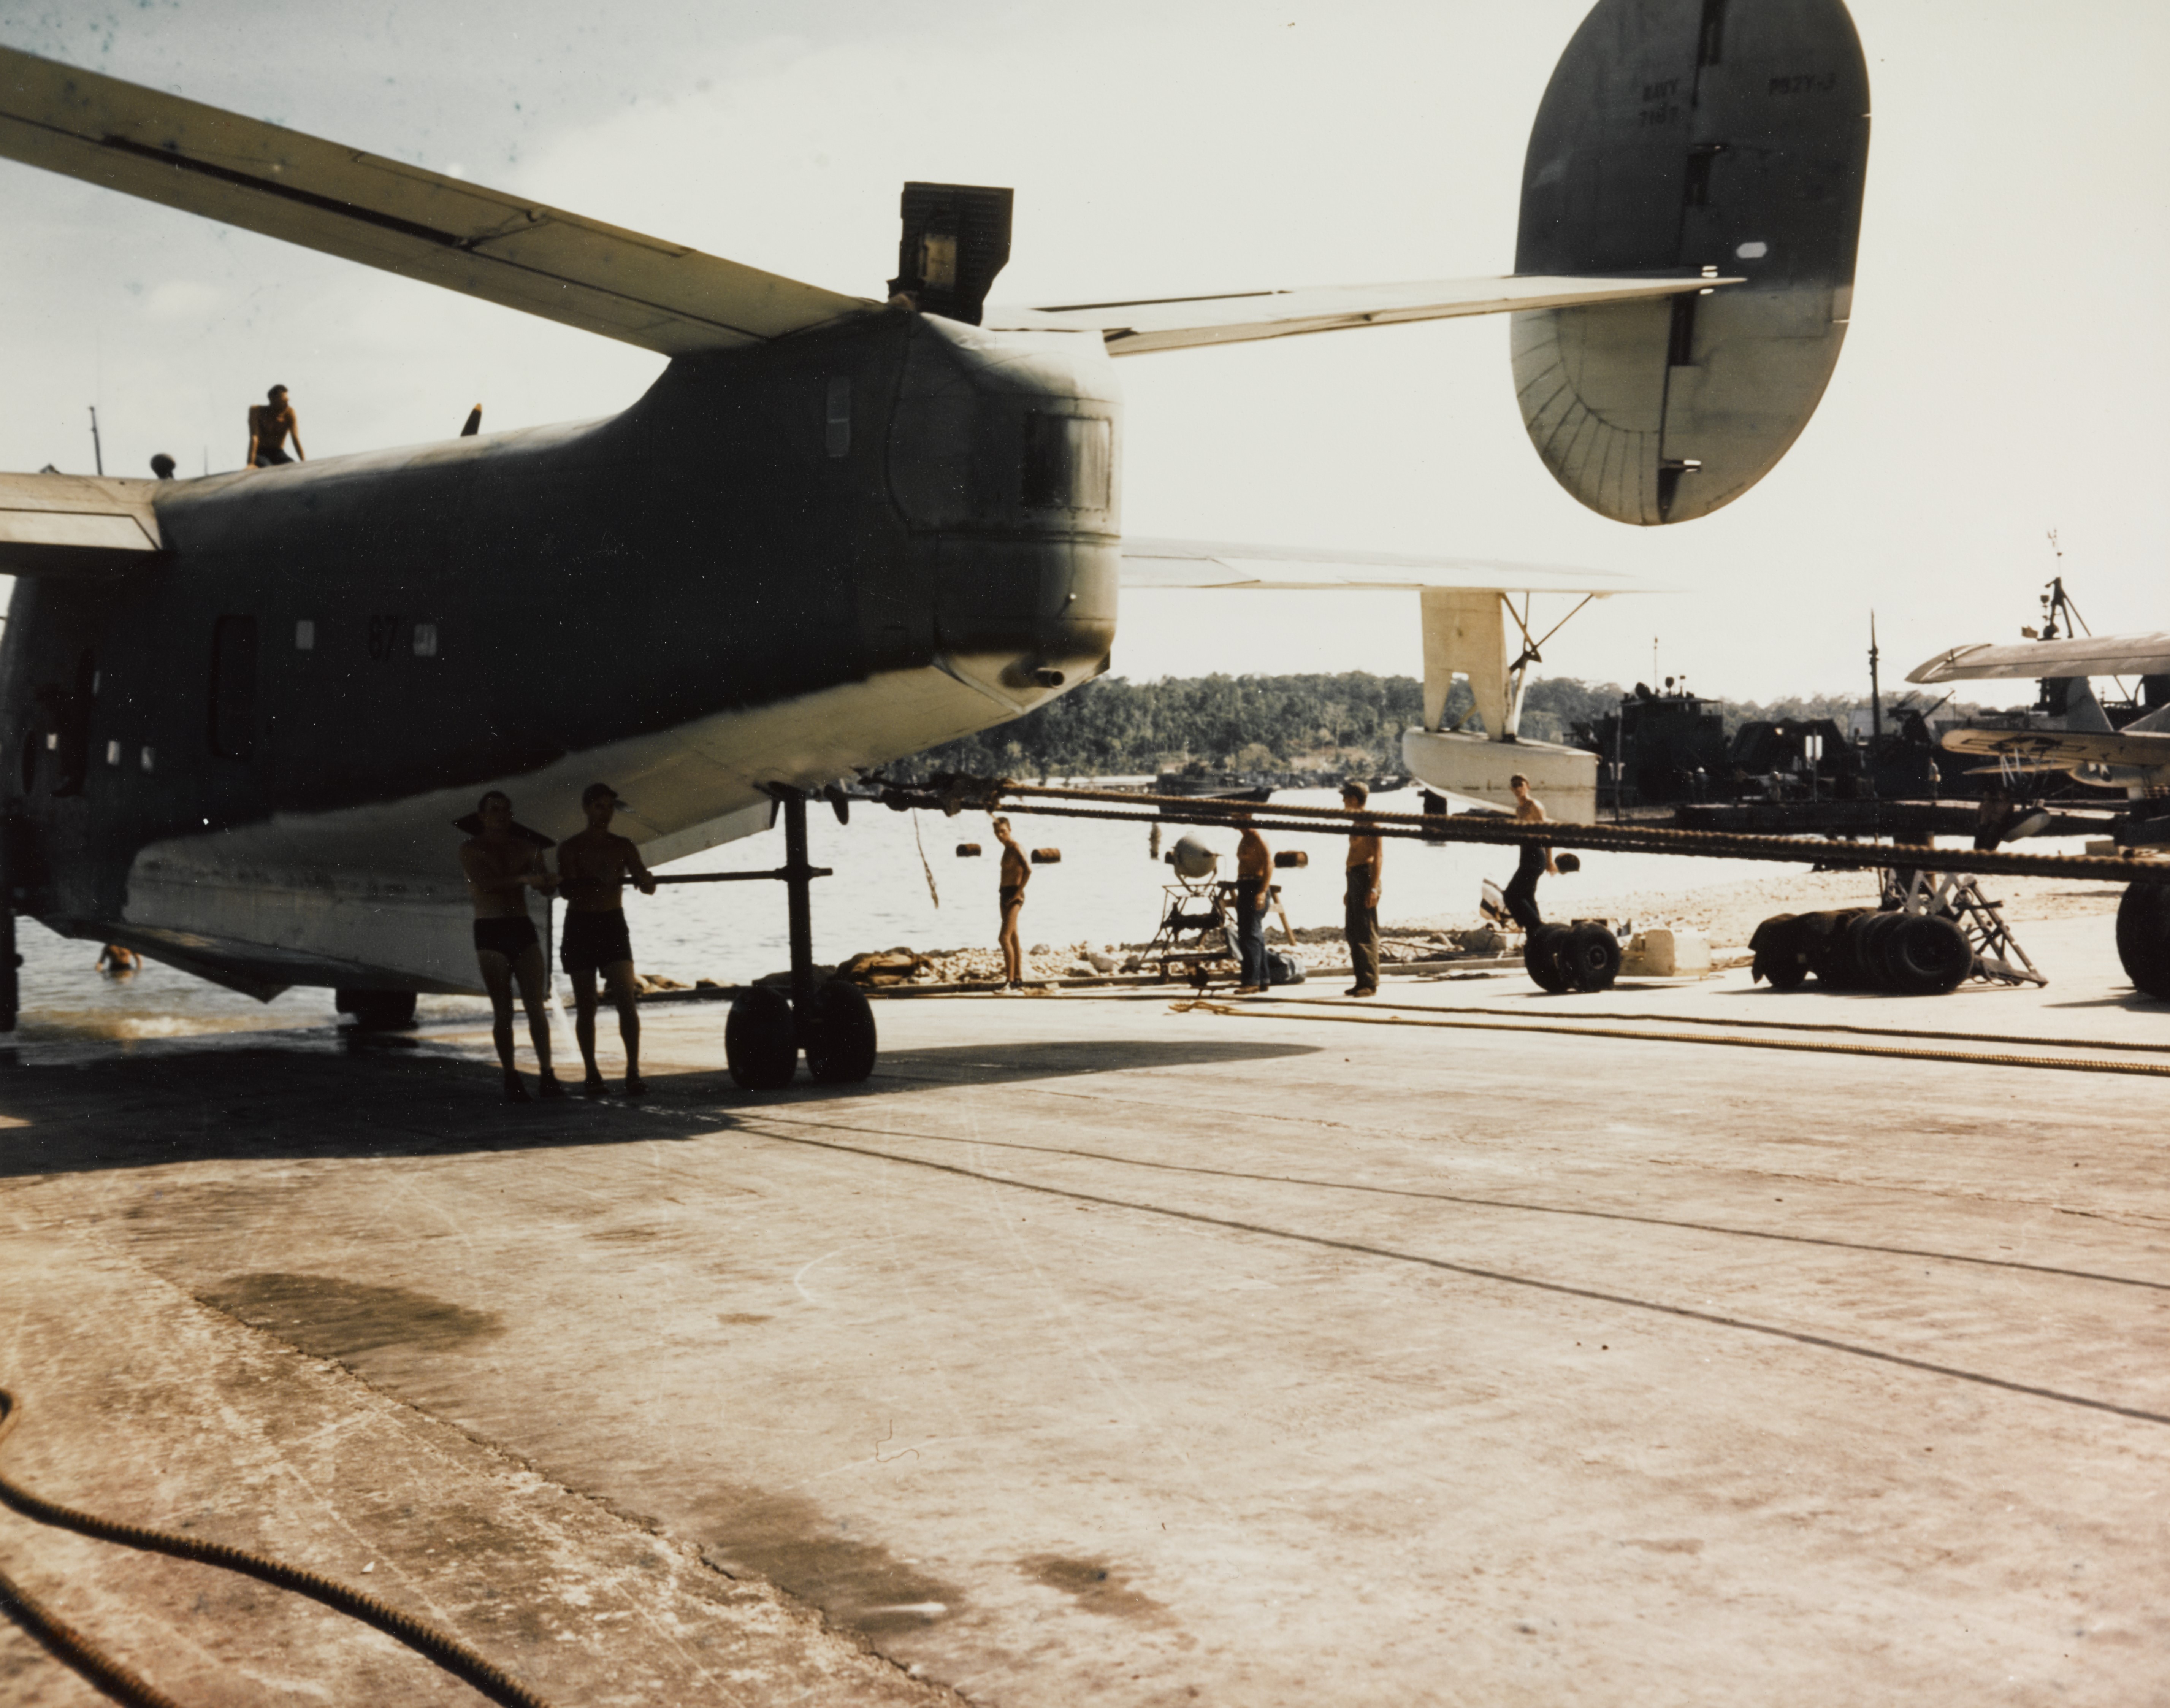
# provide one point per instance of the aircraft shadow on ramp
(391, 1097)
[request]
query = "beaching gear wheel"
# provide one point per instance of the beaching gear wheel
(840, 1042)
(760, 1042)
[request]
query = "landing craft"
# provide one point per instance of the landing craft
(237, 714)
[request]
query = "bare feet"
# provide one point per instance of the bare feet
(547, 1083)
(635, 1086)
(594, 1085)
(515, 1092)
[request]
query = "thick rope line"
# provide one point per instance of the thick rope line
(439, 1645)
(1473, 1272)
(72, 1648)
(1166, 809)
(2072, 1064)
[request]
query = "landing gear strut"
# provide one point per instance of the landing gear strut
(834, 1026)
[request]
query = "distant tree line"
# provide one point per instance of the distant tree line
(1351, 722)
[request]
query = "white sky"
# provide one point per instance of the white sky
(2000, 378)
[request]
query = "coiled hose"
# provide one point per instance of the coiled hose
(118, 1682)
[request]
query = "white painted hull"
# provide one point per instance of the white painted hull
(372, 896)
(1565, 778)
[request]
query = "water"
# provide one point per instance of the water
(1107, 890)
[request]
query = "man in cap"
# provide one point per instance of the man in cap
(593, 868)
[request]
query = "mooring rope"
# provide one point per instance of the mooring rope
(118, 1682)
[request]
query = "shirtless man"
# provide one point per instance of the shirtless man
(1360, 917)
(269, 425)
(1521, 896)
(1254, 878)
(593, 869)
(1016, 874)
(500, 868)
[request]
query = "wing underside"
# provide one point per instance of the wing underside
(2084, 655)
(76, 525)
(1206, 564)
(2061, 748)
(383, 213)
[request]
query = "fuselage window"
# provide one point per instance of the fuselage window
(838, 416)
(1069, 461)
(233, 689)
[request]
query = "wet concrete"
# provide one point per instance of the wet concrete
(1100, 1351)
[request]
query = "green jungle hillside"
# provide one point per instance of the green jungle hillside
(1350, 723)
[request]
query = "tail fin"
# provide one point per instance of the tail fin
(1719, 135)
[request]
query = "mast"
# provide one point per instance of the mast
(1875, 692)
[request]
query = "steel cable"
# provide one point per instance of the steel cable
(2075, 1064)
(122, 1685)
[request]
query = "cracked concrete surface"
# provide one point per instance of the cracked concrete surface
(1099, 1352)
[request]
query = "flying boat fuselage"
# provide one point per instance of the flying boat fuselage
(781, 563)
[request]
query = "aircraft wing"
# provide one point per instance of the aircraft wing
(2061, 748)
(1185, 323)
(76, 525)
(383, 213)
(2083, 655)
(1176, 563)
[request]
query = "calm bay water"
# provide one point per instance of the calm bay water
(1107, 890)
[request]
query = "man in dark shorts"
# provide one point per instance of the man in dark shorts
(593, 869)
(1255, 880)
(1016, 874)
(270, 422)
(1360, 904)
(502, 864)
(1521, 896)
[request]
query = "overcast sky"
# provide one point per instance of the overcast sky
(2001, 377)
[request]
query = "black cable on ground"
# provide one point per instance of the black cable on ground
(72, 1648)
(1573, 1028)
(117, 1682)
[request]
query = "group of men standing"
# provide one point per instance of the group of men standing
(1365, 862)
(502, 862)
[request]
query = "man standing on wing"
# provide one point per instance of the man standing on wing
(1360, 914)
(593, 868)
(1521, 896)
(501, 866)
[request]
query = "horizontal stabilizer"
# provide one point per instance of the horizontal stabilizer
(2062, 749)
(1176, 563)
(383, 213)
(1185, 322)
(76, 525)
(2084, 655)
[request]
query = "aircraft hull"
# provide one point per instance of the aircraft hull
(777, 567)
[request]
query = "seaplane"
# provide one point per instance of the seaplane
(240, 714)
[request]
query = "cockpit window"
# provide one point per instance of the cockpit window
(1068, 462)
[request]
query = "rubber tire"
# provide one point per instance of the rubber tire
(377, 1010)
(1927, 955)
(1876, 936)
(761, 1042)
(1541, 958)
(2143, 939)
(1590, 956)
(1823, 943)
(841, 1044)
